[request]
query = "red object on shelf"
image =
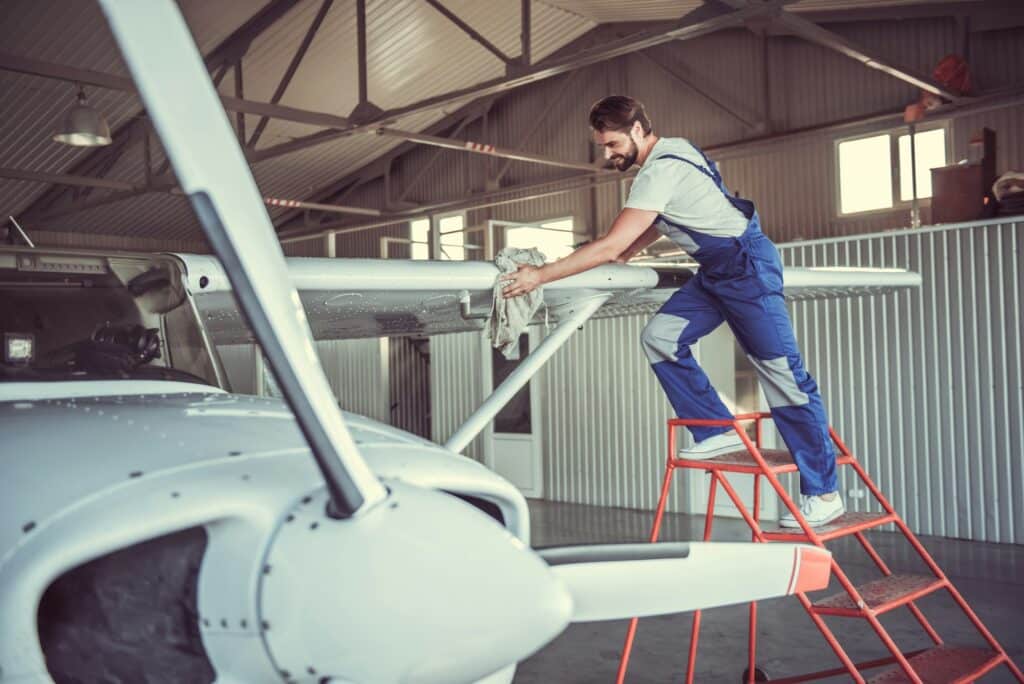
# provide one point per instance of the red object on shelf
(941, 663)
(953, 73)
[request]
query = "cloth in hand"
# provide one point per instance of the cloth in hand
(509, 317)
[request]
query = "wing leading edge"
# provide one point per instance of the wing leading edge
(358, 298)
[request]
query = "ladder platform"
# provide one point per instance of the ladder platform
(742, 461)
(945, 665)
(844, 525)
(880, 595)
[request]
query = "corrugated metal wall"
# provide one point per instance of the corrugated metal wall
(926, 386)
(603, 428)
(409, 384)
(239, 361)
(357, 372)
(455, 386)
(119, 243)
(355, 369)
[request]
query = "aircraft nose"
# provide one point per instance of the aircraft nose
(452, 594)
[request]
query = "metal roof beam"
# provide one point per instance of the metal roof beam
(62, 72)
(376, 167)
(534, 190)
(684, 29)
(433, 160)
(526, 31)
(987, 14)
(1010, 97)
(234, 47)
(833, 41)
(482, 148)
(219, 60)
(127, 190)
(293, 66)
(66, 179)
(470, 31)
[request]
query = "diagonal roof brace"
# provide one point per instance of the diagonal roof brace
(483, 148)
(469, 31)
(691, 26)
(816, 34)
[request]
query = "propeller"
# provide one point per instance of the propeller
(610, 582)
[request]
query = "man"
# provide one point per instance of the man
(680, 194)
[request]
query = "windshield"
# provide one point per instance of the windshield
(88, 316)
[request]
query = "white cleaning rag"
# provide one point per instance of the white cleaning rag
(509, 317)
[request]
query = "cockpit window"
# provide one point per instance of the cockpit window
(81, 316)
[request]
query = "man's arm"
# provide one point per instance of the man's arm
(628, 227)
(649, 237)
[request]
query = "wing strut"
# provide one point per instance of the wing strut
(504, 392)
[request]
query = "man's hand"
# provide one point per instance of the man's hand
(525, 280)
(624, 257)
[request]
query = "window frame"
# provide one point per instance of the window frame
(436, 235)
(894, 134)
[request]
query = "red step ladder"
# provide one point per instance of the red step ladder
(940, 663)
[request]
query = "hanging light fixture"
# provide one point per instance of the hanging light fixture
(83, 126)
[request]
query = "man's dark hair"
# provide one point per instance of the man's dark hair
(618, 113)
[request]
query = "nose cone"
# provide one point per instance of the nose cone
(424, 588)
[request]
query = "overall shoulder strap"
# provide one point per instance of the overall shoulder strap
(695, 165)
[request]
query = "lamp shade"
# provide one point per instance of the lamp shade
(83, 126)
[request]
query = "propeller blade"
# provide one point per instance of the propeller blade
(609, 582)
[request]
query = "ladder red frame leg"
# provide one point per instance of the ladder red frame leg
(868, 612)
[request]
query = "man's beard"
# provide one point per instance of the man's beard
(625, 162)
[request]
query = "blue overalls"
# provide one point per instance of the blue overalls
(740, 282)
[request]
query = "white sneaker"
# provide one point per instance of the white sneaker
(713, 446)
(816, 511)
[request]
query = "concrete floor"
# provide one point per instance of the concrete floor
(990, 577)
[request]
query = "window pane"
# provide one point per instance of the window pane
(930, 151)
(552, 244)
(563, 224)
(452, 237)
(865, 174)
(419, 233)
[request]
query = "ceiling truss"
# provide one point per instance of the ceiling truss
(70, 191)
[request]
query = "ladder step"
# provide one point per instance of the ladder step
(742, 461)
(945, 665)
(881, 595)
(847, 524)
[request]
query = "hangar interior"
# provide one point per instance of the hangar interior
(449, 129)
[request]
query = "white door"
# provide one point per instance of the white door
(512, 444)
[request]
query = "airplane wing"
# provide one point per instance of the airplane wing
(353, 298)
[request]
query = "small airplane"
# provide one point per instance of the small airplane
(160, 528)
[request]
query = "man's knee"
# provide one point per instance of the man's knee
(781, 382)
(660, 338)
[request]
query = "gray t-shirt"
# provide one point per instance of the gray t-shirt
(683, 194)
